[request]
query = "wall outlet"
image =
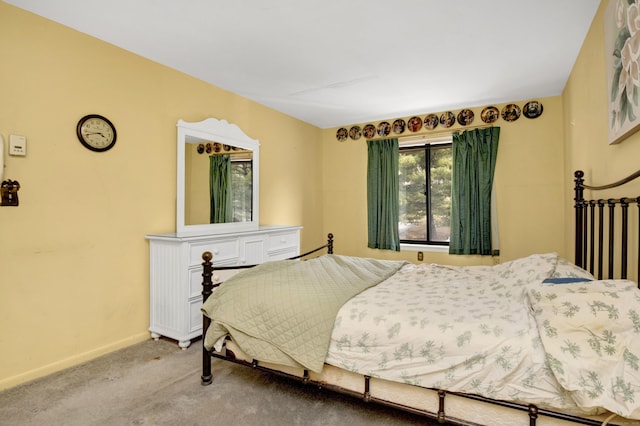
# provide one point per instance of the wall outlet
(420, 256)
(17, 145)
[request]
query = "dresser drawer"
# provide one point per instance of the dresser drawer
(195, 316)
(195, 282)
(284, 254)
(222, 250)
(195, 279)
(283, 241)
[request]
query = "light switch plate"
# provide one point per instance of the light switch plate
(17, 145)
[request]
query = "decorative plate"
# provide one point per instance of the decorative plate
(342, 134)
(490, 114)
(399, 126)
(511, 112)
(226, 147)
(369, 131)
(355, 133)
(414, 124)
(431, 121)
(465, 117)
(447, 119)
(532, 109)
(384, 128)
(217, 147)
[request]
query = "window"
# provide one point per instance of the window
(425, 191)
(241, 195)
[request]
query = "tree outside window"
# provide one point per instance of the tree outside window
(425, 193)
(241, 187)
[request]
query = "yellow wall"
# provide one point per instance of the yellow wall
(586, 125)
(529, 185)
(74, 279)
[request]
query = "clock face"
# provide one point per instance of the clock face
(96, 132)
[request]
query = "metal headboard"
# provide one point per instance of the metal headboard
(590, 233)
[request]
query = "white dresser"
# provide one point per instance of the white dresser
(176, 272)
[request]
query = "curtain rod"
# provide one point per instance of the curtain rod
(435, 133)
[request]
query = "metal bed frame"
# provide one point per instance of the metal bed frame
(589, 254)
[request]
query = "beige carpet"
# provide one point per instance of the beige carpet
(156, 383)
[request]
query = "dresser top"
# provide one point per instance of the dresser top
(260, 230)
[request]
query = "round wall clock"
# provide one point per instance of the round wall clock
(96, 132)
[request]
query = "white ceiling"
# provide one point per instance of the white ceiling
(339, 62)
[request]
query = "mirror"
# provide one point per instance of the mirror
(233, 151)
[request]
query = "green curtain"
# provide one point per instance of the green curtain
(382, 194)
(474, 162)
(220, 189)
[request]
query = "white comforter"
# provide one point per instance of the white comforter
(466, 329)
(591, 335)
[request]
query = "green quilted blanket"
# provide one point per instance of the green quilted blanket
(284, 311)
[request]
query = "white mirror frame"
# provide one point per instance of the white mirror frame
(223, 132)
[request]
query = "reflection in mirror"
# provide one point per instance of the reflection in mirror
(218, 184)
(218, 168)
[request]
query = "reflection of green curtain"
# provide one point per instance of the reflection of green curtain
(474, 161)
(382, 194)
(220, 188)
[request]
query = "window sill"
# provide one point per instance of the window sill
(424, 247)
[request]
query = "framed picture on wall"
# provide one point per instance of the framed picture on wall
(622, 56)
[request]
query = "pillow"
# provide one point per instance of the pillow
(564, 280)
(533, 268)
(566, 269)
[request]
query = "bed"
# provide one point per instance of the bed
(538, 340)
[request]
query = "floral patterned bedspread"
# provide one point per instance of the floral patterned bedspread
(591, 335)
(464, 329)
